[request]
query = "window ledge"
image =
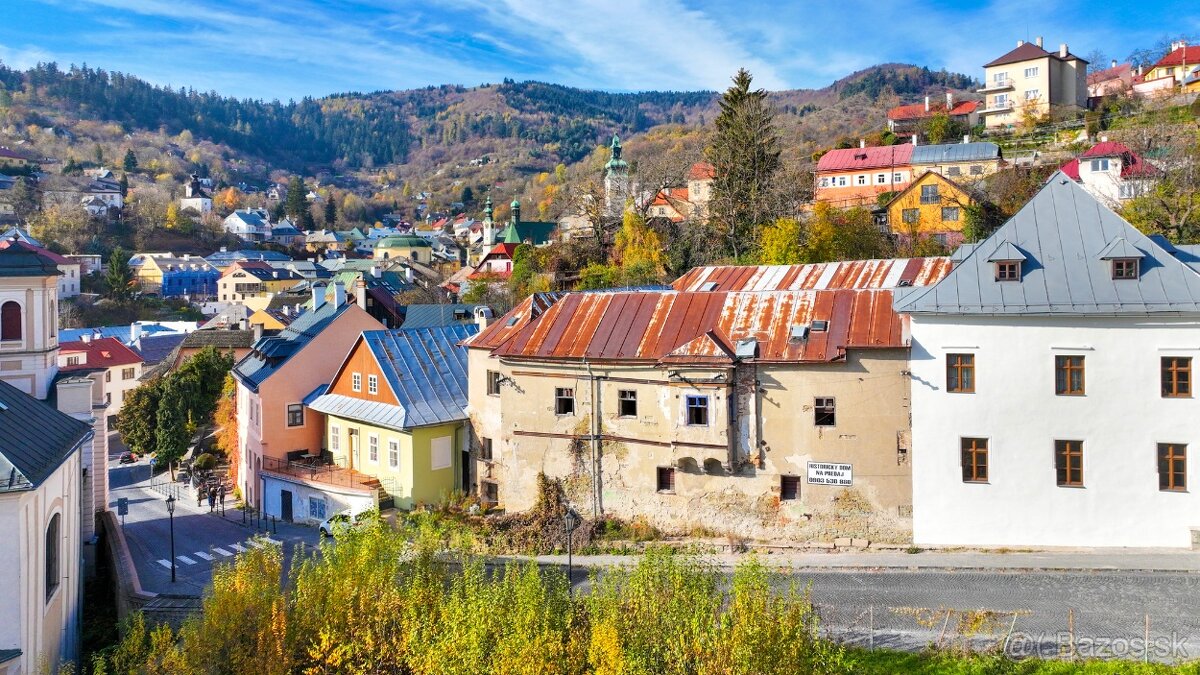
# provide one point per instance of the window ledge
(665, 492)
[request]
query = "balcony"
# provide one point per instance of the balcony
(316, 472)
(995, 85)
(997, 107)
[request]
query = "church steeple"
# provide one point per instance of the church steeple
(515, 206)
(489, 227)
(616, 179)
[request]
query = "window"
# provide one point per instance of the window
(1008, 271)
(929, 194)
(316, 508)
(335, 439)
(974, 460)
(393, 453)
(697, 411)
(1000, 78)
(1001, 101)
(72, 360)
(356, 381)
(861, 179)
(841, 181)
(373, 448)
(789, 488)
(491, 493)
(910, 216)
(52, 540)
(897, 177)
(564, 401)
(1172, 467)
(372, 384)
(493, 383)
(127, 373)
(1177, 377)
(1068, 463)
(1031, 72)
(295, 414)
(666, 479)
(1068, 375)
(976, 169)
(1032, 94)
(627, 403)
(954, 171)
(485, 449)
(824, 182)
(950, 214)
(108, 376)
(824, 412)
(1100, 164)
(1125, 268)
(960, 373)
(880, 178)
(10, 321)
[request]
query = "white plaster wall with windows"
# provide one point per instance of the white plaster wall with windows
(1120, 418)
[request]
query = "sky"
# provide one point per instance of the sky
(283, 49)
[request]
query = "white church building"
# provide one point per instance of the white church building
(1053, 401)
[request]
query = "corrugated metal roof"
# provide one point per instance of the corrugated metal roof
(371, 412)
(35, 439)
(517, 318)
(849, 159)
(849, 274)
(271, 353)
(673, 326)
(955, 152)
(427, 371)
(428, 316)
(1062, 232)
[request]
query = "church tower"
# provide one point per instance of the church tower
(616, 180)
(489, 226)
(28, 318)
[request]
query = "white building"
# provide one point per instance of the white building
(249, 224)
(1112, 172)
(117, 367)
(195, 197)
(1052, 395)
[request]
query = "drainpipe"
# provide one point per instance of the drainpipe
(595, 439)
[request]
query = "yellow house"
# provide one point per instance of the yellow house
(396, 411)
(1031, 81)
(270, 319)
(931, 205)
(246, 279)
(404, 247)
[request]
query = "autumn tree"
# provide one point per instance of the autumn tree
(228, 200)
(745, 152)
(225, 419)
(24, 198)
(843, 234)
(1171, 203)
(67, 225)
(638, 251)
(781, 243)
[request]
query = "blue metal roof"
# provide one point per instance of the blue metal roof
(426, 368)
(122, 333)
(269, 354)
(955, 152)
(1062, 232)
(428, 316)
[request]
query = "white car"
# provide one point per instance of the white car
(340, 521)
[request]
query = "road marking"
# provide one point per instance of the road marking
(202, 554)
(254, 542)
(238, 547)
(222, 552)
(186, 560)
(165, 563)
(275, 541)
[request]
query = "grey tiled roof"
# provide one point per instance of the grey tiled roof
(1063, 232)
(221, 338)
(35, 439)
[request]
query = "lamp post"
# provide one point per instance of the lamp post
(571, 521)
(171, 516)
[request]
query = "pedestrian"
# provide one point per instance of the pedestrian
(212, 499)
(199, 496)
(221, 496)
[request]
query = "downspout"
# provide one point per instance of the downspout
(595, 438)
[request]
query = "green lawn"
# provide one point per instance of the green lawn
(882, 662)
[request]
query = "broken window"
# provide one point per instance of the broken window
(627, 403)
(824, 412)
(666, 479)
(485, 450)
(564, 401)
(491, 492)
(789, 488)
(697, 411)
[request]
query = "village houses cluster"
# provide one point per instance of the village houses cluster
(831, 405)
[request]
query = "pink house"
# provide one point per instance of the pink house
(274, 427)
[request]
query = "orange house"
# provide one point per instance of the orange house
(856, 176)
(277, 375)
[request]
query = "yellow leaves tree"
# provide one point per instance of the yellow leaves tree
(171, 220)
(638, 250)
(780, 243)
(843, 234)
(225, 418)
(229, 200)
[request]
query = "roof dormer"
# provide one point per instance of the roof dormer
(1007, 260)
(1123, 257)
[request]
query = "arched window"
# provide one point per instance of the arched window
(10, 321)
(52, 574)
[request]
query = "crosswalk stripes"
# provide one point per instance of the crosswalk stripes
(202, 554)
(186, 560)
(275, 541)
(165, 563)
(255, 543)
(238, 547)
(222, 551)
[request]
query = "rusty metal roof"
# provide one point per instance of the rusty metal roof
(703, 327)
(849, 274)
(517, 318)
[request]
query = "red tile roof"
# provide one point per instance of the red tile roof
(1028, 52)
(1132, 165)
(850, 159)
(1120, 72)
(101, 353)
(702, 171)
(1185, 55)
(917, 111)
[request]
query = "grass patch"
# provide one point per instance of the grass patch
(885, 662)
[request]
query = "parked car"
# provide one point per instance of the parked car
(340, 521)
(128, 458)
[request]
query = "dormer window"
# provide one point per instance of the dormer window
(1125, 268)
(1008, 270)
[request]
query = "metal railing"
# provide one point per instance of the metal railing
(329, 474)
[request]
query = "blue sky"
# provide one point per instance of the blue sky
(293, 48)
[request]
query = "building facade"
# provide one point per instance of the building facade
(1030, 82)
(932, 206)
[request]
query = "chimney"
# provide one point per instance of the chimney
(1020, 43)
(1039, 41)
(339, 294)
(258, 332)
(926, 104)
(86, 337)
(375, 271)
(243, 324)
(862, 142)
(360, 294)
(914, 140)
(1114, 64)
(318, 293)
(966, 138)
(135, 332)
(1062, 51)
(483, 317)
(408, 275)
(949, 101)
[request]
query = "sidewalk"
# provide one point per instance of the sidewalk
(1122, 560)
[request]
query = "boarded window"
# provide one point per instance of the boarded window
(485, 449)
(10, 321)
(439, 451)
(824, 412)
(1068, 463)
(1177, 376)
(666, 479)
(564, 401)
(789, 488)
(1172, 467)
(491, 492)
(697, 411)
(974, 460)
(627, 403)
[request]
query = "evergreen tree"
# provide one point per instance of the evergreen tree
(745, 153)
(467, 197)
(24, 198)
(130, 163)
(330, 212)
(124, 185)
(119, 276)
(138, 420)
(98, 154)
(296, 201)
(307, 223)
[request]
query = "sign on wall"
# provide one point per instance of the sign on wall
(827, 473)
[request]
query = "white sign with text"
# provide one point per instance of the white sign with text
(827, 473)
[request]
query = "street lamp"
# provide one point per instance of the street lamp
(171, 516)
(571, 521)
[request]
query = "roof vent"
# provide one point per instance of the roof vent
(747, 348)
(799, 333)
(820, 326)
(904, 283)
(512, 321)
(708, 286)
